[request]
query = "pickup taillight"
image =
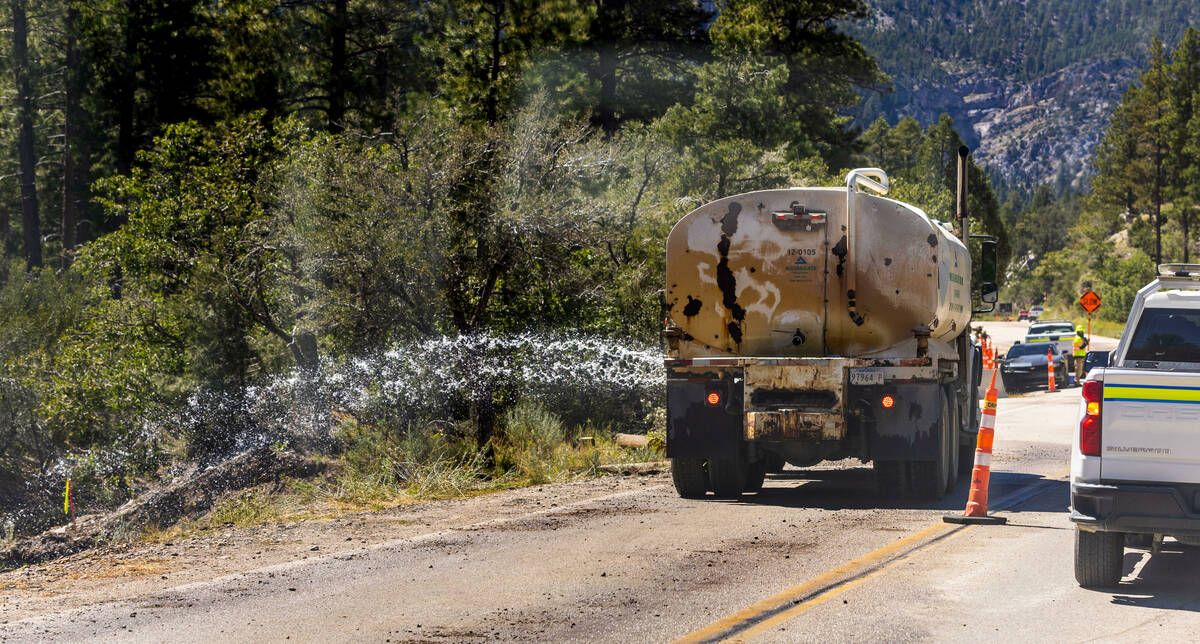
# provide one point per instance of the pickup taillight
(1089, 427)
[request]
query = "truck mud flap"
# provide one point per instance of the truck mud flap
(907, 431)
(696, 427)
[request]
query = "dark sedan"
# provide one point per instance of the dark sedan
(1024, 367)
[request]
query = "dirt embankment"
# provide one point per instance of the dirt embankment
(189, 495)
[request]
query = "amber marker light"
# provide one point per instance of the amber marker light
(713, 398)
(888, 401)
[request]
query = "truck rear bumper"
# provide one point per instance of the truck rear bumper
(1141, 508)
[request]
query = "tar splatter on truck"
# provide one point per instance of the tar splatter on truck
(813, 324)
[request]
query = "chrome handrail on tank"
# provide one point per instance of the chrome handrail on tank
(863, 176)
(855, 178)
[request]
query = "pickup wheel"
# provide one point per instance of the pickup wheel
(727, 476)
(690, 477)
(928, 479)
(1099, 558)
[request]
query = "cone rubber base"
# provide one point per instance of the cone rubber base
(987, 520)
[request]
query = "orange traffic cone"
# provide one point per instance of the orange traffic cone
(976, 510)
(1050, 368)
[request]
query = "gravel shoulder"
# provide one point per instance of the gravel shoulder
(129, 570)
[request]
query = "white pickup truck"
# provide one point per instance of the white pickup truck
(1135, 464)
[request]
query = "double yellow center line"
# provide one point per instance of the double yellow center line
(786, 605)
(783, 606)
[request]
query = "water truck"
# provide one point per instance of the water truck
(815, 324)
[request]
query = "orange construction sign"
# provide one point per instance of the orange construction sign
(1089, 301)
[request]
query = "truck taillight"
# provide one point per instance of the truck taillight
(888, 401)
(1089, 427)
(713, 398)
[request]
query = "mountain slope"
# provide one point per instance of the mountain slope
(1030, 85)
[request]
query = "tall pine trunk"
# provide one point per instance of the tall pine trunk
(74, 181)
(1185, 219)
(29, 203)
(492, 99)
(606, 68)
(337, 69)
(125, 98)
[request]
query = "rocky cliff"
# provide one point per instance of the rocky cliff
(1027, 132)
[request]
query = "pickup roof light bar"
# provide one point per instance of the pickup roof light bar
(1190, 271)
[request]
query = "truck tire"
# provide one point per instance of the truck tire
(970, 436)
(756, 474)
(773, 463)
(1099, 558)
(891, 478)
(690, 478)
(966, 455)
(954, 428)
(927, 479)
(727, 476)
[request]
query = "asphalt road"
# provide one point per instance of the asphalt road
(815, 557)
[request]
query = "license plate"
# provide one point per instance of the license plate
(866, 377)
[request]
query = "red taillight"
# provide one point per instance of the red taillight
(1089, 427)
(713, 398)
(888, 401)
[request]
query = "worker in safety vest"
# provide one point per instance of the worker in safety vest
(1080, 344)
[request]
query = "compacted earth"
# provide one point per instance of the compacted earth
(155, 563)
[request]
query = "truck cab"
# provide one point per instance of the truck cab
(1060, 333)
(1135, 464)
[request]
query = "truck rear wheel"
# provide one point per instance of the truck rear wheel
(891, 478)
(756, 474)
(953, 429)
(773, 463)
(727, 476)
(690, 478)
(928, 479)
(969, 437)
(1099, 558)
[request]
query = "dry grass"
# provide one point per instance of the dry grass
(376, 472)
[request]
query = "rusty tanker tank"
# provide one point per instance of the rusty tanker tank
(787, 273)
(812, 324)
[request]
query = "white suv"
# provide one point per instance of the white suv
(1135, 463)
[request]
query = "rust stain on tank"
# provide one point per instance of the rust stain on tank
(726, 281)
(839, 251)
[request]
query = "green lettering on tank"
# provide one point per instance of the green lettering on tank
(956, 278)
(957, 308)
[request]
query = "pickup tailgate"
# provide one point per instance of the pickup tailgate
(1150, 427)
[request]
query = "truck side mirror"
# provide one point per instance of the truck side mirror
(989, 292)
(987, 261)
(1098, 358)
